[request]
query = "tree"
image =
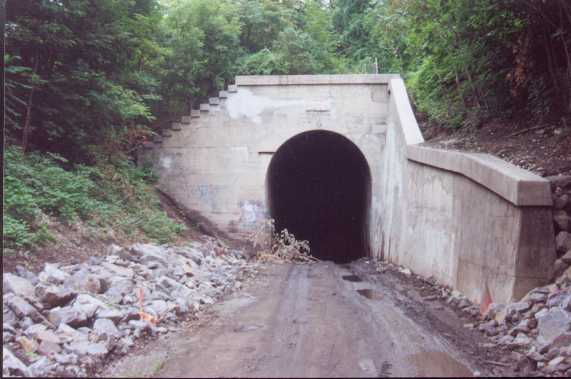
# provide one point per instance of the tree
(83, 55)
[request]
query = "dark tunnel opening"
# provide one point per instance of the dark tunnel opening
(318, 185)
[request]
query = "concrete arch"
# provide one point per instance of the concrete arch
(422, 212)
(318, 186)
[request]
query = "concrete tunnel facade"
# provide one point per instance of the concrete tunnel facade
(223, 163)
(472, 221)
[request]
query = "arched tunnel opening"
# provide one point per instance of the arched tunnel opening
(318, 188)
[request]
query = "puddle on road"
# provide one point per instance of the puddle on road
(246, 328)
(438, 363)
(370, 294)
(352, 278)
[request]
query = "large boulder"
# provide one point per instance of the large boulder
(89, 305)
(553, 324)
(159, 308)
(22, 308)
(13, 364)
(113, 314)
(68, 315)
(68, 334)
(41, 333)
(118, 270)
(119, 288)
(27, 274)
(17, 285)
(52, 274)
(515, 311)
(49, 348)
(84, 281)
(150, 253)
(54, 296)
(563, 242)
(88, 348)
(562, 220)
(105, 326)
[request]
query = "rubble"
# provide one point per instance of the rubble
(66, 320)
(535, 330)
(538, 328)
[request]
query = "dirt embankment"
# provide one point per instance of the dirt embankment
(76, 243)
(543, 148)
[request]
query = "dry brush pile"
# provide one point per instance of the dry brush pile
(282, 246)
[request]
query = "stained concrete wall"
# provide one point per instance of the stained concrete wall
(470, 220)
(217, 164)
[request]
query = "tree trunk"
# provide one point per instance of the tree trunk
(26, 131)
(563, 9)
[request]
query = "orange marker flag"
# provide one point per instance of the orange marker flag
(486, 300)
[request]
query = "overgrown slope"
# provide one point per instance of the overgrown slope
(43, 191)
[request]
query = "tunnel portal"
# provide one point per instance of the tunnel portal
(318, 188)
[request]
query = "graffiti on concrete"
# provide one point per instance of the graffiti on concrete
(251, 212)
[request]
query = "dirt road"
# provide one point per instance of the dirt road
(316, 320)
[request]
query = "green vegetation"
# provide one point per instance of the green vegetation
(88, 81)
(37, 188)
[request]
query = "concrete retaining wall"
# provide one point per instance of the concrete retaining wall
(470, 220)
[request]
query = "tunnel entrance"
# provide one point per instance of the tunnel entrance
(318, 188)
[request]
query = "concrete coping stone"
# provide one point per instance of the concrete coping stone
(409, 126)
(518, 186)
(272, 80)
(204, 107)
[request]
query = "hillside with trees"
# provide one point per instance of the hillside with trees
(88, 81)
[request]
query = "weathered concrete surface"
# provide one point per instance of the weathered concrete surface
(470, 220)
(306, 321)
(518, 186)
(469, 237)
(218, 164)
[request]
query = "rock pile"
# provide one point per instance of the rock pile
(561, 188)
(65, 320)
(533, 334)
(537, 329)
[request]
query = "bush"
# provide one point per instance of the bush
(115, 195)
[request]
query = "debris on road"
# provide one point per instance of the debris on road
(279, 247)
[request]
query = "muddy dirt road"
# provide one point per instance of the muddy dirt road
(316, 320)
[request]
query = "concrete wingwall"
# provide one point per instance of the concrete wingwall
(472, 221)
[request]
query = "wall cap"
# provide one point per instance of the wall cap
(275, 80)
(399, 97)
(518, 186)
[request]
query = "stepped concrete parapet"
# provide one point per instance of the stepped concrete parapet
(472, 221)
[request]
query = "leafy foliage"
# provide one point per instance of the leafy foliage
(37, 188)
(474, 58)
